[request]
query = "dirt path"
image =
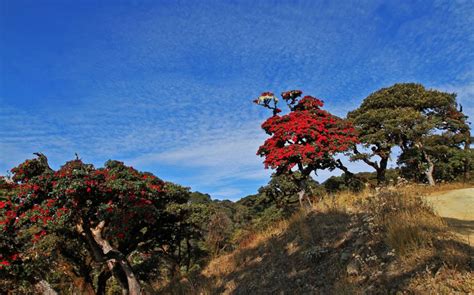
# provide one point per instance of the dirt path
(457, 208)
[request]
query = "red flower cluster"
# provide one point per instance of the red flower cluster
(37, 236)
(44, 200)
(4, 263)
(307, 136)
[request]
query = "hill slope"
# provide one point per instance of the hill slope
(372, 244)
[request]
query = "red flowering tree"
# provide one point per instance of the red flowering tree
(106, 221)
(306, 139)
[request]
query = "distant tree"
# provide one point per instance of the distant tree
(220, 230)
(108, 220)
(340, 183)
(282, 190)
(406, 115)
(197, 197)
(307, 139)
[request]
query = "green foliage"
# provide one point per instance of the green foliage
(409, 116)
(358, 181)
(274, 202)
(197, 197)
(335, 184)
(282, 191)
(268, 217)
(344, 183)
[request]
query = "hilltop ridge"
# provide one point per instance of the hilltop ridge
(354, 244)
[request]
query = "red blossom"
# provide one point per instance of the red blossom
(37, 236)
(47, 199)
(306, 137)
(14, 256)
(4, 263)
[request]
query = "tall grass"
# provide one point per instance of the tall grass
(409, 231)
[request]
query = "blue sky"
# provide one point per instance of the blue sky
(166, 86)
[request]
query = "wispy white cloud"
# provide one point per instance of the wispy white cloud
(218, 162)
(168, 87)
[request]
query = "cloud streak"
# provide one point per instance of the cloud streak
(168, 87)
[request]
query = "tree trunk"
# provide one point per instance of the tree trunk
(343, 168)
(102, 281)
(134, 287)
(301, 195)
(349, 176)
(380, 176)
(381, 171)
(429, 171)
(112, 257)
(384, 154)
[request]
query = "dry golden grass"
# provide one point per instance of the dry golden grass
(445, 281)
(230, 262)
(416, 232)
(342, 202)
(411, 230)
(408, 225)
(412, 225)
(276, 257)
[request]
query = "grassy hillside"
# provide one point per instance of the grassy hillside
(387, 242)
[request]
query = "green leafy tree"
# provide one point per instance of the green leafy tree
(406, 115)
(445, 152)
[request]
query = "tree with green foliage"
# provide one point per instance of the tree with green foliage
(110, 221)
(409, 116)
(219, 233)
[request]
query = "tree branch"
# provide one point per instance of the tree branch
(365, 159)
